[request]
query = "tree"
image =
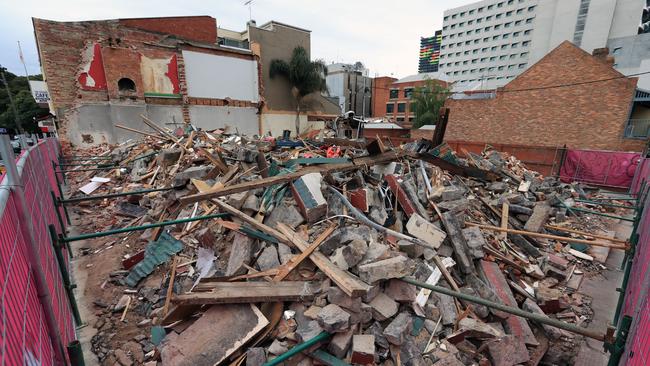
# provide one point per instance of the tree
(26, 106)
(304, 76)
(427, 101)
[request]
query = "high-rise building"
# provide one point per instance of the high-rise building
(430, 53)
(488, 43)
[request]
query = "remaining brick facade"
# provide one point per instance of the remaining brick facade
(380, 87)
(197, 28)
(554, 103)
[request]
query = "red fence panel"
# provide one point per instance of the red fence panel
(600, 167)
(637, 292)
(24, 337)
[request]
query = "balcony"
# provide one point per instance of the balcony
(637, 129)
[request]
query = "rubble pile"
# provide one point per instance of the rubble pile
(312, 244)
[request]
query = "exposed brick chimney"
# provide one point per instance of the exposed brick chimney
(602, 54)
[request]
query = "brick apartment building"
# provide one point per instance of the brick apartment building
(171, 69)
(391, 98)
(568, 98)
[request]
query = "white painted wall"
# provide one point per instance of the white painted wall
(244, 120)
(212, 76)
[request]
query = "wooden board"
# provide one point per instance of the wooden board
(248, 292)
(350, 285)
(220, 332)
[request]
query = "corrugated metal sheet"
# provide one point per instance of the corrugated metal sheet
(156, 253)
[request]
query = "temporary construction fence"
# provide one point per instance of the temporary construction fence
(37, 319)
(633, 315)
(600, 167)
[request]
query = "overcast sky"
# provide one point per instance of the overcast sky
(384, 35)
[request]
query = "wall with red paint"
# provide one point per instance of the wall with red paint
(198, 28)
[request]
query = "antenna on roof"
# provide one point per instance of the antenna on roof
(250, 10)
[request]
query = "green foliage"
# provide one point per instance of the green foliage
(26, 106)
(426, 102)
(304, 76)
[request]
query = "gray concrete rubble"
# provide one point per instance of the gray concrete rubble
(303, 241)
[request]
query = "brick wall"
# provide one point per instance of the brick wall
(196, 28)
(532, 110)
(380, 88)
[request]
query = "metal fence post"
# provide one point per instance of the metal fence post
(27, 230)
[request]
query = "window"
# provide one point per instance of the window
(475, 51)
(523, 54)
(493, 58)
(531, 8)
(509, 13)
(498, 16)
(453, 26)
(510, 2)
(466, 53)
(486, 39)
(519, 11)
(617, 51)
(467, 42)
(529, 20)
(487, 29)
(498, 26)
(481, 69)
(390, 107)
(464, 72)
(514, 45)
(474, 60)
(444, 37)
(461, 24)
(488, 18)
(525, 43)
(445, 28)
(400, 119)
(462, 14)
(459, 44)
(527, 32)
(479, 20)
(446, 18)
(443, 47)
(501, 68)
(471, 12)
(401, 107)
(507, 25)
(476, 41)
(521, 66)
(452, 36)
(494, 38)
(484, 49)
(480, 10)
(478, 30)
(455, 72)
(456, 63)
(408, 92)
(506, 35)
(393, 94)
(472, 71)
(503, 47)
(126, 85)
(457, 53)
(465, 62)
(516, 34)
(518, 22)
(512, 56)
(469, 32)
(510, 67)
(490, 7)
(493, 48)
(470, 22)
(500, 5)
(454, 16)
(483, 59)
(491, 68)
(502, 57)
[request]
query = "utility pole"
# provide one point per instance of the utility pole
(13, 108)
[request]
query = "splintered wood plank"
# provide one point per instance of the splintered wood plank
(220, 332)
(248, 292)
(350, 285)
(295, 261)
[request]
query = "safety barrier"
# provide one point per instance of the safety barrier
(26, 338)
(600, 167)
(635, 310)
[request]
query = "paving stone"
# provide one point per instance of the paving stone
(363, 349)
(395, 267)
(397, 329)
(508, 351)
(334, 319)
(383, 307)
(401, 291)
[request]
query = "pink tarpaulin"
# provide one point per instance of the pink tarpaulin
(606, 168)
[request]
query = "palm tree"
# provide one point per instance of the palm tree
(304, 76)
(427, 101)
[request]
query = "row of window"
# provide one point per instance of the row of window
(481, 9)
(487, 29)
(401, 107)
(489, 69)
(504, 46)
(394, 93)
(488, 79)
(487, 18)
(485, 40)
(484, 59)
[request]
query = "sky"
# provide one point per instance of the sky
(383, 35)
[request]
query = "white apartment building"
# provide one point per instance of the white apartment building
(488, 43)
